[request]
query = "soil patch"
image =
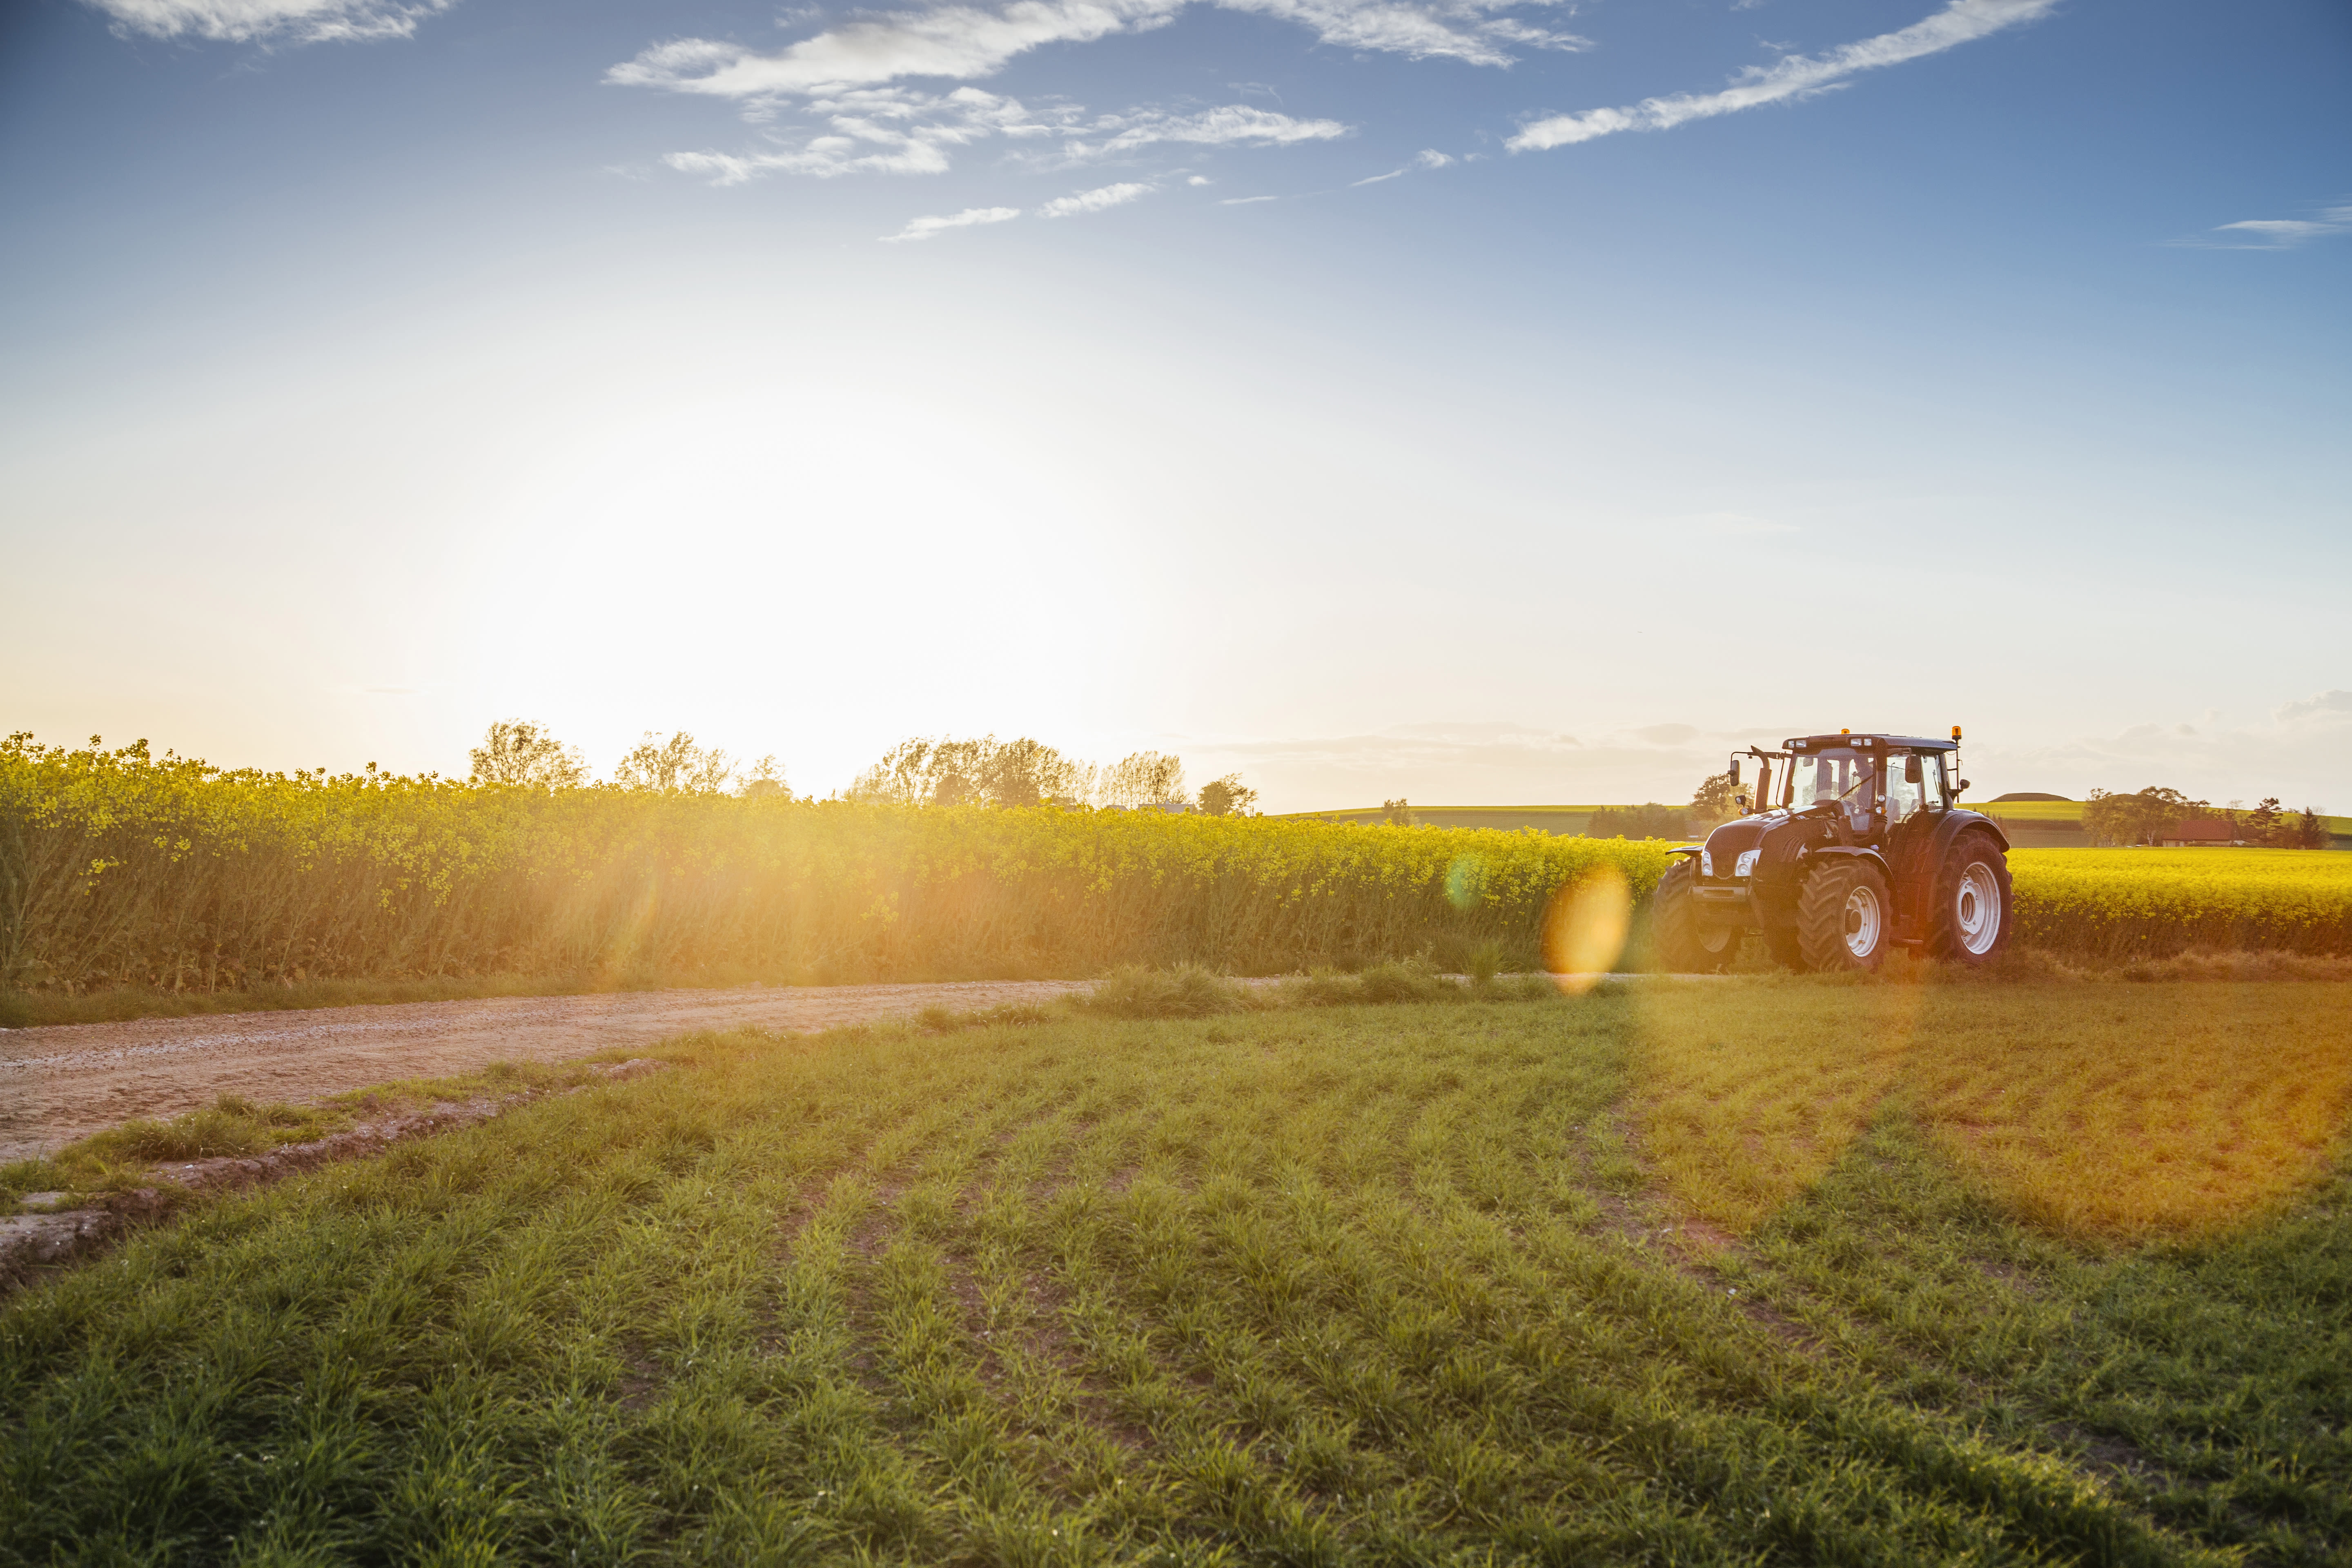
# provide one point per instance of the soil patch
(67, 1080)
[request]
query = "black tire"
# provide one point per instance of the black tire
(1844, 916)
(1973, 913)
(1684, 945)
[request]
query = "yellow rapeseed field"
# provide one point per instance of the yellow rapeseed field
(2123, 903)
(117, 868)
(123, 869)
(2176, 1109)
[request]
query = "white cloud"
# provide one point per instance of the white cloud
(1796, 77)
(965, 41)
(1247, 201)
(1198, 180)
(2301, 752)
(960, 41)
(897, 131)
(1232, 125)
(2328, 709)
(927, 227)
(1427, 158)
(876, 130)
(1467, 30)
(1096, 200)
(243, 21)
(2275, 232)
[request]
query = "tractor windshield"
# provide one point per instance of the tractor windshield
(1836, 774)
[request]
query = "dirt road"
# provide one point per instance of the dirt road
(64, 1082)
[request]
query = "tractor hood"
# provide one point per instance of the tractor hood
(1780, 835)
(1728, 841)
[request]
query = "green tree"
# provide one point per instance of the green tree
(2310, 833)
(2145, 817)
(518, 751)
(674, 767)
(1712, 801)
(1227, 796)
(765, 779)
(1397, 813)
(984, 772)
(1146, 778)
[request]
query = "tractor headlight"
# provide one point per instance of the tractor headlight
(1746, 865)
(1707, 863)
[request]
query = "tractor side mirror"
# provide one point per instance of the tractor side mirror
(1963, 788)
(1912, 770)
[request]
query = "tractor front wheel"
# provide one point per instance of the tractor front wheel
(1844, 915)
(1684, 945)
(1969, 921)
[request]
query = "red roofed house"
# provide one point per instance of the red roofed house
(2200, 833)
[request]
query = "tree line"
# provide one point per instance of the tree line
(2150, 815)
(920, 771)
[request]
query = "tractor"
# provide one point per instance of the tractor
(1853, 845)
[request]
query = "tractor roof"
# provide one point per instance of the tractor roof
(1870, 742)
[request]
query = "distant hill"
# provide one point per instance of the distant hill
(2024, 794)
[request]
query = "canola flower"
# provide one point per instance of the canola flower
(120, 867)
(2131, 904)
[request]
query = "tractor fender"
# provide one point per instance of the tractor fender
(1685, 849)
(1856, 851)
(1956, 822)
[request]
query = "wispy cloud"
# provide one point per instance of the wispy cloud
(878, 131)
(1466, 30)
(1096, 200)
(247, 21)
(957, 41)
(1247, 201)
(1796, 77)
(1232, 125)
(964, 42)
(2273, 233)
(928, 227)
(1427, 158)
(899, 131)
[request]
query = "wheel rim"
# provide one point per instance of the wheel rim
(1862, 919)
(1976, 909)
(1713, 943)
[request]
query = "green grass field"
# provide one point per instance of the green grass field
(1342, 1284)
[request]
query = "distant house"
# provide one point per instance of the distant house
(2200, 833)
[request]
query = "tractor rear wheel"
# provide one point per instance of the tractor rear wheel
(1969, 922)
(1844, 915)
(1684, 945)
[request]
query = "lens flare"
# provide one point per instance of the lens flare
(1465, 878)
(2103, 1110)
(1584, 928)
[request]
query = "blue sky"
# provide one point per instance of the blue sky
(1481, 403)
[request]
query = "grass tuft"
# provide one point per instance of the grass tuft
(1184, 992)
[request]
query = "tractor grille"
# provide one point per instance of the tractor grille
(1726, 843)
